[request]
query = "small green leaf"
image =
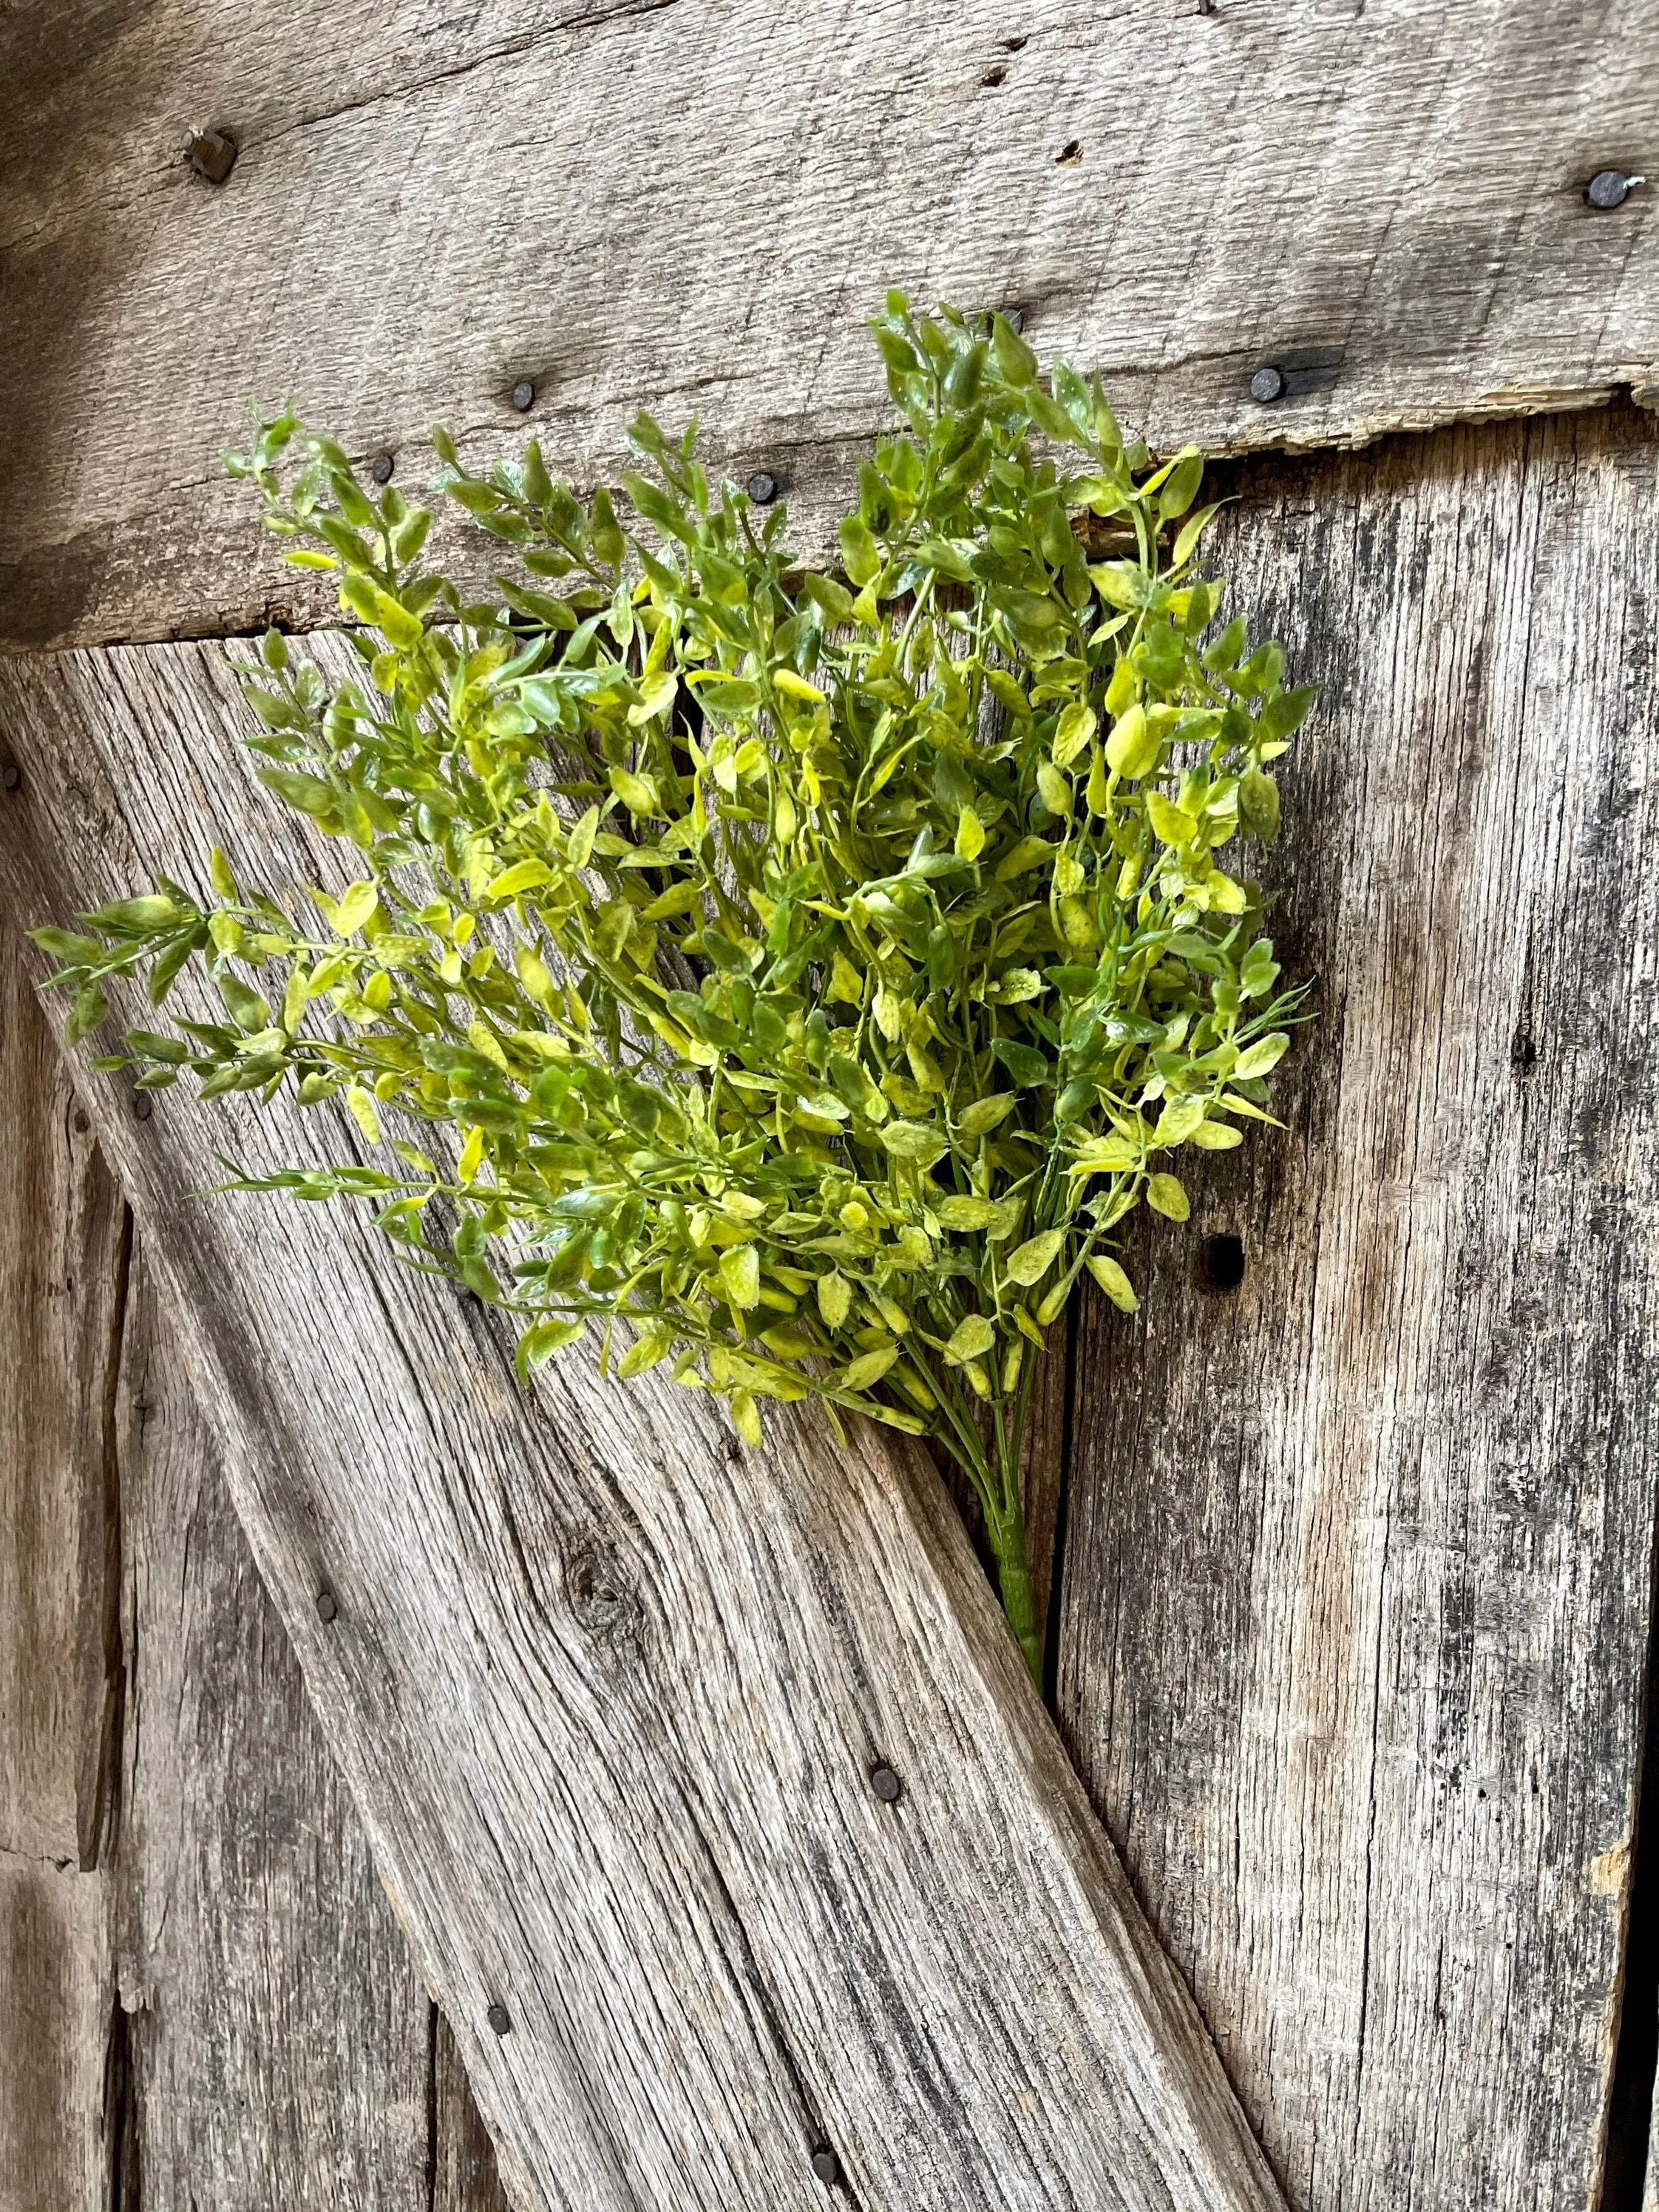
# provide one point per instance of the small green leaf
(1165, 1195)
(1029, 1262)
(1113, 1280)
(1262, 1057)
(916, 1142)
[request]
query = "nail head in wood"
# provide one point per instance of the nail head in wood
(1611, 188)
(328, 1606)
(763, 488)
(11, 776)
(142, 1107)
(211, 154)
(500, 2019)
(380, 468)
(886, 1784)
(826, 2165)
(1267, 385)
(524, 395)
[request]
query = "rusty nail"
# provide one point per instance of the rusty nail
(524, 395)
(142, 1107)
(1267, 385)
(328, 1606)
(12, 776)
(763, 488)
(211, 154)
(886, 1784)
(826, 2165)
(1611, 188)
(380, 468)
(500, 2019)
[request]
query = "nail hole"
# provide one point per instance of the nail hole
(993, 76)
(1070, 156)
(1523, 1054)
(1013, 45)
(12, 776)
(1221, 1262)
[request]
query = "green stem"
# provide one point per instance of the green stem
(1007, 1534)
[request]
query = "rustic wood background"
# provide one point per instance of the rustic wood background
(1351, 1617)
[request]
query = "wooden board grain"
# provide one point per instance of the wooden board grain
(63, 1238)
(279, 2033)
(607, 1692)
(63, 1241)
(1357, 1587)
(204, 1993)
(693, 207)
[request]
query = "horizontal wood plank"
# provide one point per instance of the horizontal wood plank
(693, 207)
(607, 1691)
(1357, 1588)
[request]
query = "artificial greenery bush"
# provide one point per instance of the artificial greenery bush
(814, 973)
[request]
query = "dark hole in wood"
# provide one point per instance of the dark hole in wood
(1070, 154)
(1523, 1054)
(1013, 45)
(993, 76)
(1221, 1262)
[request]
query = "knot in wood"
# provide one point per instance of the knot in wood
(601, 1591)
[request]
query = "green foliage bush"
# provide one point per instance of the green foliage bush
(814, 972)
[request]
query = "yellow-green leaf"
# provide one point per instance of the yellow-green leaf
(834, 1295)
(1113, 1280)
(739, 1274)
(1216, 1137)
(1262, 1056)
(361, 1103)
(1133, 743)
(971, 1338)
(1169, 821)
(869, 1368)
(1029, 1262)
(745, 1418)
(970, 834)
(522, 876)
(472, 1157)
(1165, 1195)
(1072, 732)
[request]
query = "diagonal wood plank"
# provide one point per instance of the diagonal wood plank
(607, 1694)
(1357, 1587)
(693, 205)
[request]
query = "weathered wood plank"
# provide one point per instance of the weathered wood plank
(279, 2033)
(693, 207)
(1357, 1588)
(62, 1247)
(201, 1983)
(463, 2177)
(607, 1696)
(63, 1230)
(57, 2005)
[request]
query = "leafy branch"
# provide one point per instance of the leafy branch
(807, 973)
